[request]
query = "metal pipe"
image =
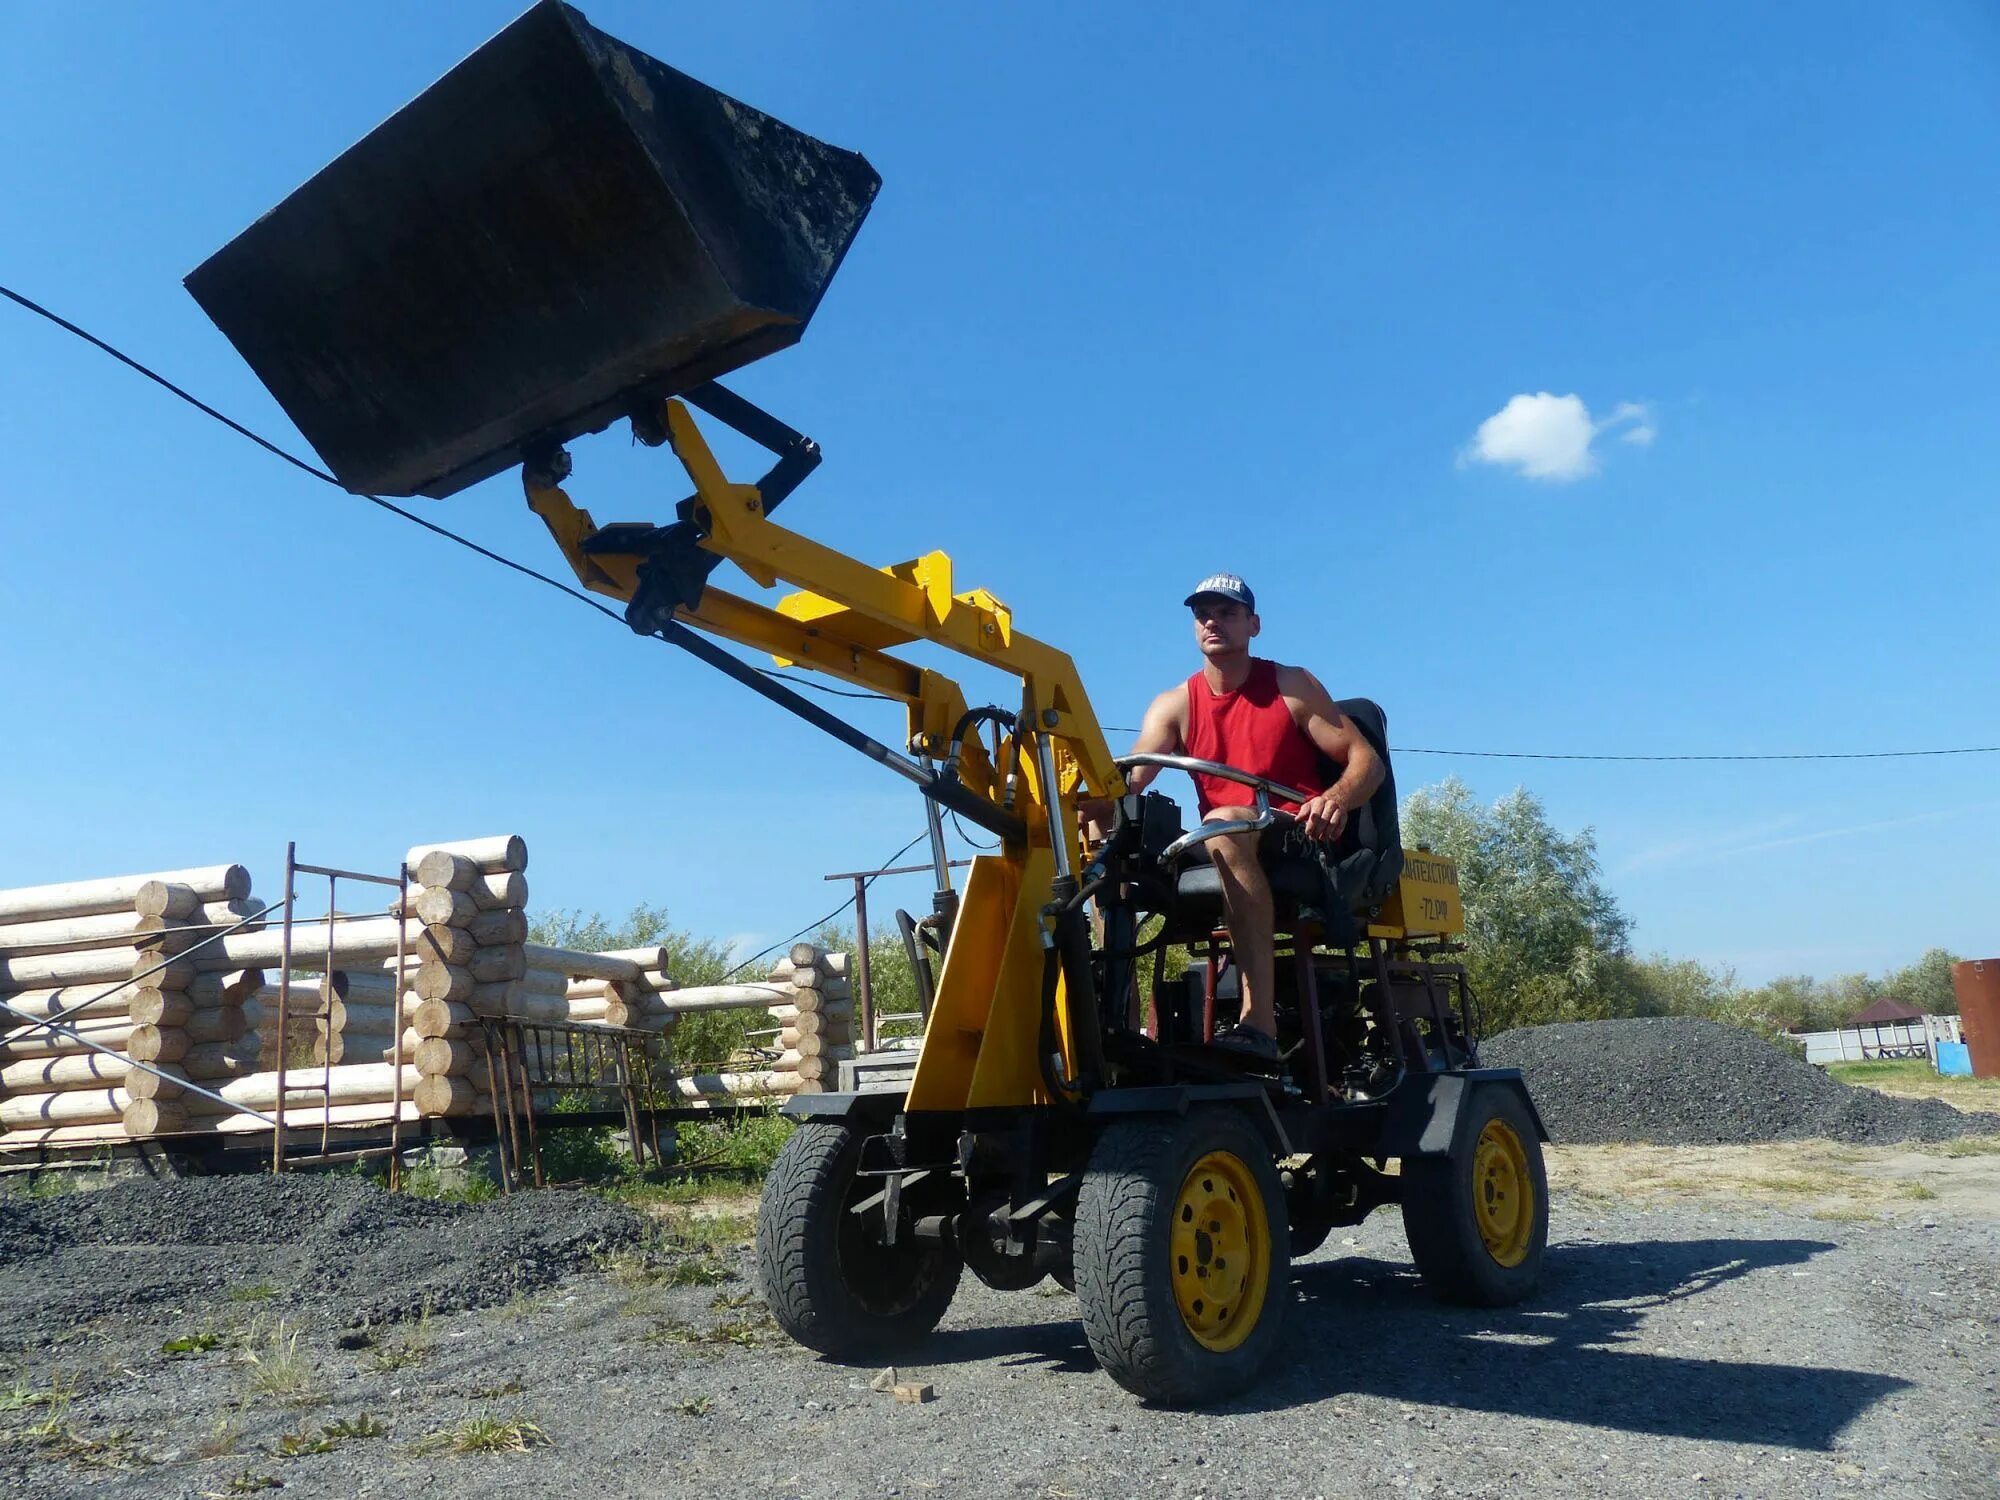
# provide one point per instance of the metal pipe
(1045, 761)
(124, 984)
(72, 1034)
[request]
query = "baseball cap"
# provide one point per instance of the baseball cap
(1229, 586)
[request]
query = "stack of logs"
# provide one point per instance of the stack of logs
(110, 954)
(815, 1022)
(624, 987)
(467, 958)
(209, 1017)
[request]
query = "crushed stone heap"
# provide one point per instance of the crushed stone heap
(1680, 1081)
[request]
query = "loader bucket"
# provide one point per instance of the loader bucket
(557, 231)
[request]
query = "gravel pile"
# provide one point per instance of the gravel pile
(336, 1249)
(1677, 1081)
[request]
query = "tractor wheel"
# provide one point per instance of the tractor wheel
(1183, 1256)
(831, 1283)
(1478, 1219)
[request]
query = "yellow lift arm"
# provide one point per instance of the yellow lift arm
(985, 1043)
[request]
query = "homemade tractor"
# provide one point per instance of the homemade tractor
(563, 232)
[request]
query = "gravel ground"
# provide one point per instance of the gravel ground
(1677, 1081)
(1691, 1350)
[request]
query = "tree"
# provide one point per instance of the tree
(1546, 938)
(1925, 983)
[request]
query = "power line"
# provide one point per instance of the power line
(816, 926)
(557, 584)
(1798, 755)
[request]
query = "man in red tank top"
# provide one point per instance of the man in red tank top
(1269, 720)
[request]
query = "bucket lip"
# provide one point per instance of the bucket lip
(768, 285)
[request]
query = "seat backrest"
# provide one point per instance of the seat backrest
(1377, 828)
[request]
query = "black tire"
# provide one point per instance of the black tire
(1442, 1217)
(830, 1282)
(1125, 1261)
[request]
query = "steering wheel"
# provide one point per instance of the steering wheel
(1262, 788)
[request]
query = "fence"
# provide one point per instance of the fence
(1868, 1043)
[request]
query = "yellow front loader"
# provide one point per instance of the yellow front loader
(562, 233)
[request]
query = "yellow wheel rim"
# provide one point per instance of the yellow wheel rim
(1221, 1251)
(1503, 1193)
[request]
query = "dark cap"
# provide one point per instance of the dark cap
(1224, 586)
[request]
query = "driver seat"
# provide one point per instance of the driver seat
(1336, 889)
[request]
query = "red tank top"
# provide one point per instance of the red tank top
(1251, 730)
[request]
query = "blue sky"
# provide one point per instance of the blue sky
(1149, 291)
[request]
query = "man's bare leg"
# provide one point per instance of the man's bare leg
(1246, 900)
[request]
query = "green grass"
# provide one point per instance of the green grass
(486, 1434)
(413, 1347)
(283, 1370)
(1965, 1145)
(252, 1291)
(455, 1186)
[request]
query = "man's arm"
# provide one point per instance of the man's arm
(1160, 733)
(1314, 711)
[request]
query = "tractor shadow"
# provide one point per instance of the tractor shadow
(1578, 1352)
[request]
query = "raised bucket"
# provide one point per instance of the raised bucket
(559, 229)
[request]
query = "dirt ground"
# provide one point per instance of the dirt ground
(1796, 1320)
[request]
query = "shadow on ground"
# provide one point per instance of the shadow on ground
(1367, 1327)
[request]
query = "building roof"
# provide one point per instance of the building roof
(1886, 1012)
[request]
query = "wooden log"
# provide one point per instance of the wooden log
(444, 945)
(836, 964)
(441, 1018)
(444, 908)
(541, 982)
(363, 1082)
(490, 964)
(50, 1075)
(224, 986)
(83, 898)
(598, 989)
(697, 997)
(157, 1043)
(70, 1107)
(439, 1094)
(89, 966)
(216, 1024)
(364, 985)
(140, 1084)
(66, 934)
(656, 980)
(500, 854)
(443, 982)
(108, 1033)
(496, 928)
(805, 955)
(213, 914)
(444, 871)
(494, 997)
(169, 898)
(811, 1022)
(805, 1067)
(488, 893)
(812, 1043)
(453, 1056)
(345, 1016)
(734, 1085)
(639, 1018)
(355, 943)
(580, 965)
(85, 1001)
(144, 1117)
(544, 1008)
(650, 957)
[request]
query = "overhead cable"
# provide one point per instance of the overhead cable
(555, 583)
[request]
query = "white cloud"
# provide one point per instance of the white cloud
(1545, 436)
